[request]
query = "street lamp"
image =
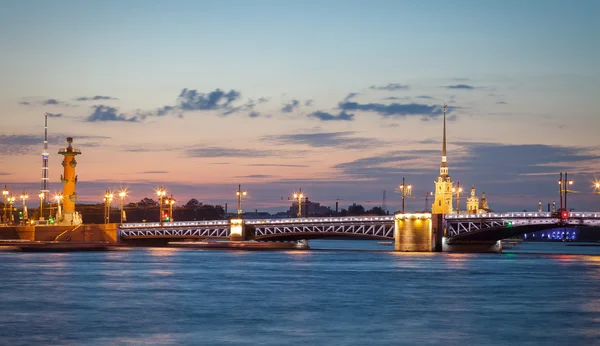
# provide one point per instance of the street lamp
(563, 186)
(122, 195)
(41, 195)
(299, 196)
(108, 197)
(24, 198)
(457, 190)
(239, 194)
(5, 195)
(427, 195)
(597, 187)
(405, 190)
(170, 201)
(161, 193)
(11, 201)
(58, 197)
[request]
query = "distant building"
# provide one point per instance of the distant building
(476, 205)
(442, 203)
(309, 209)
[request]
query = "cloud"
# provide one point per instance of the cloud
(4, 173)
(25, 103)
(290, 106)
(153, 172)
(308, 103)
(103, 113)
(324, 116)
(425, 97)
(25, 144)
(395, 109)
(328, 139)
(256, 176)
(227, 152)
(350, 96)
(275, 165)
(54, 115)
(95, 98)
(501, 103)
(46, 102)
(389, 87)
(51, 102)
(192, 100)
(460, 86)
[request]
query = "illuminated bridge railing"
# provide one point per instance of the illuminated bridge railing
(176, 224)
(583, 214)
(321, 220)
(381, 227)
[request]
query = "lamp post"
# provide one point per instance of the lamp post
(11, 216)
(597, 187)
(427, 195)
(24, 198)
(108, 197)
(41, 195)
(457, 190)
(161, 193)
(58, 197)
(122, 195)
(170, 201)
(563, 186)
(239, 194)
(405, 190)
(299, 196)
(5, 195)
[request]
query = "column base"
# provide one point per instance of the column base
(472, 247)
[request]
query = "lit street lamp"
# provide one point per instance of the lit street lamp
(427, 195)
(457, 190)
(122, 195)
(24, 198)
(58, 197)
(405, 190)
(11, 217)
(41, 195)
(108, 197)
(299, 196)
(170, 201)
(5, 195)
(597, 187)
(563, 187)
(161, 193)
(240, 194)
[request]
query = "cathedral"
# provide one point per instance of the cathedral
(442, 203)
(475, 205)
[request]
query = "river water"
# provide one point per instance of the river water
(333, 295)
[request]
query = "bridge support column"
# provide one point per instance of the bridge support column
(472, 246)
(237, 230)
(413, 233)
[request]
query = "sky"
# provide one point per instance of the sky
(339, 98)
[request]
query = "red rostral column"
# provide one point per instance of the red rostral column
(69, 181)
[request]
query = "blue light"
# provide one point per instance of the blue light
(45, 157)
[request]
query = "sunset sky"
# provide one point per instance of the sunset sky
(339, 98)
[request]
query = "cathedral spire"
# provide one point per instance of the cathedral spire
(444, 165)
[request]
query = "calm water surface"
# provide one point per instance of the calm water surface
(323, 297)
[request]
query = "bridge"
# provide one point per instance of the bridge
(421, 231)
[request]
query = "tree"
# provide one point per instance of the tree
(356, 209)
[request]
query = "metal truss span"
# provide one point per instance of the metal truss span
(380, 230)
(167, 233)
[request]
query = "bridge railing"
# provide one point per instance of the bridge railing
(176, 224)
(307, 220)
(582, 214)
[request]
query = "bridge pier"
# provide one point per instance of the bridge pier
(472, 246)
(418, 232)
(237, 230)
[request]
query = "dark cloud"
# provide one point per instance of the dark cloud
(501, 103)
(425, 97)
(329, 139)
(51, 102)
(324, 116)
(4, 173)
(147, 149)
(105, 113)
(460, 86)
(389, 87)
(308, 103)
(395, 109)
(153, 172)
(46, 102)
(256, 176)
(350, 96)
(54, 115)
(275, 165)
(25, 144)
(227, 152)
(290, 106)
(192, 100)
(95, 98)
(25, 103)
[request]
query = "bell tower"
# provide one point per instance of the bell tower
(442, 203)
